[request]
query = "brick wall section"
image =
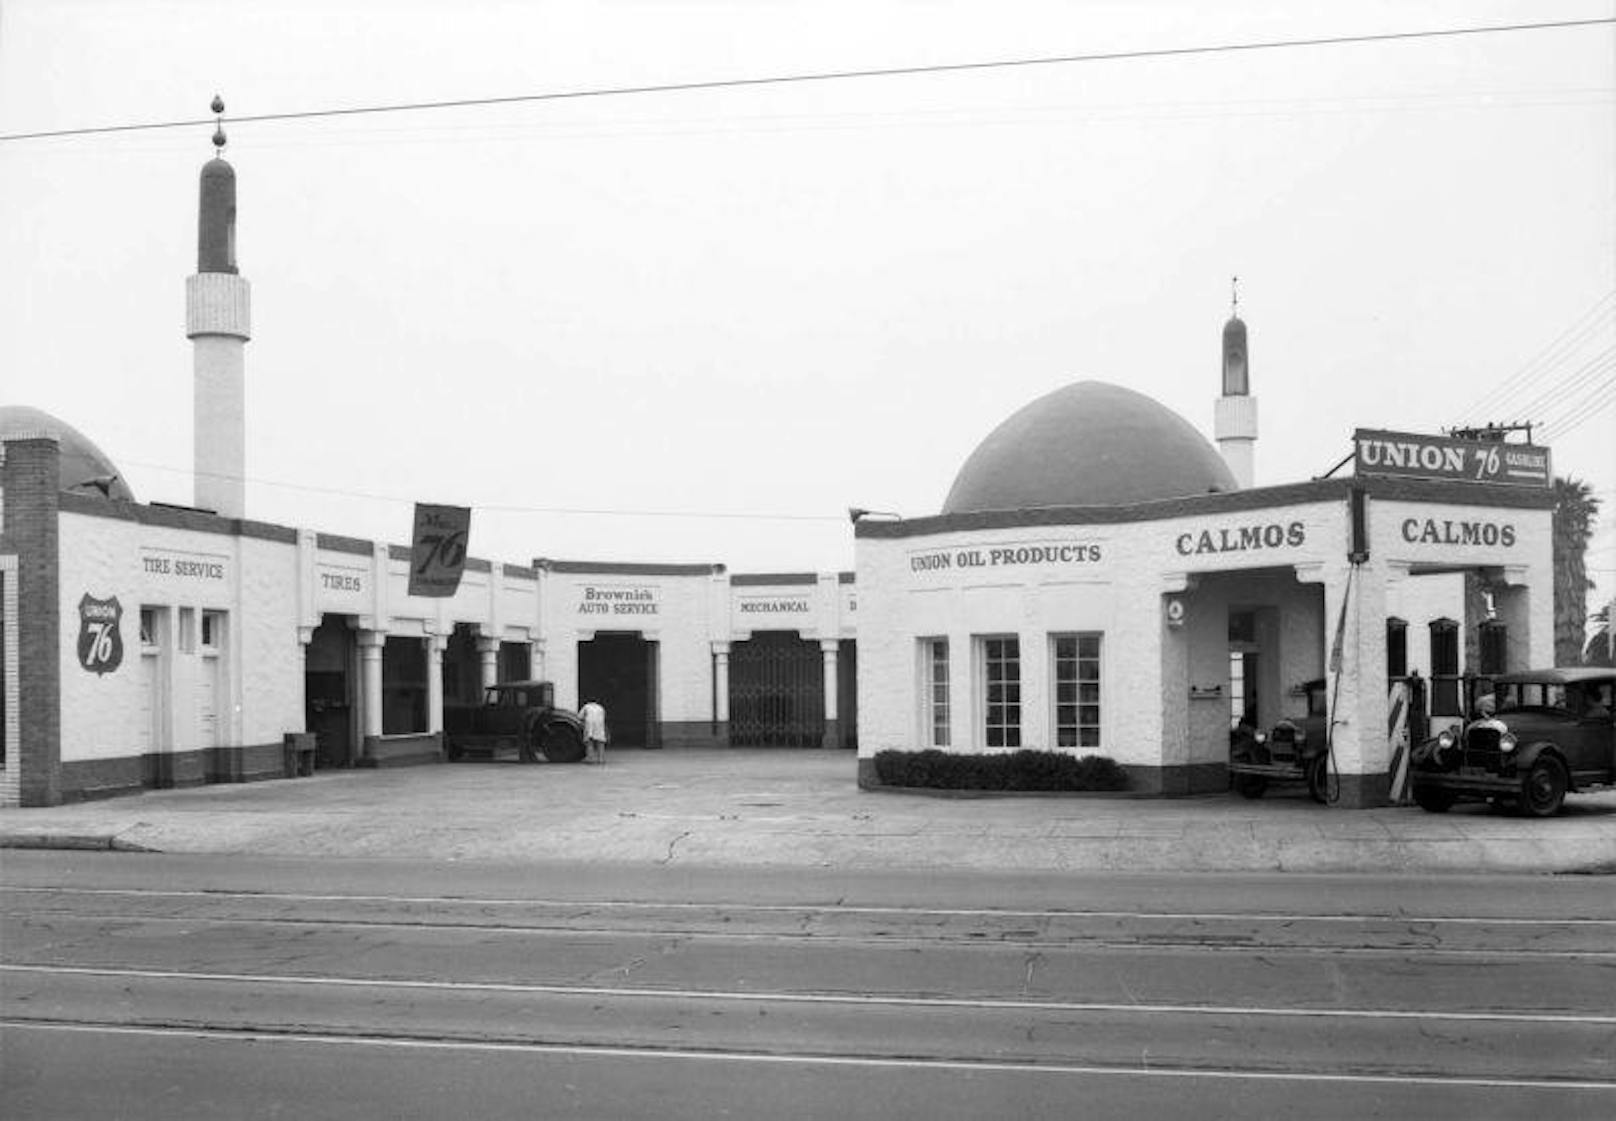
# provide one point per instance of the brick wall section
(32, 482)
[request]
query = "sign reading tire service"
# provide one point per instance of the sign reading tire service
(1407, 456)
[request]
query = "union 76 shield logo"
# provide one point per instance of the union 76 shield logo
(100, 640)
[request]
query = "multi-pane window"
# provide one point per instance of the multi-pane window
(1001, 675)
(1077, 690)
(1237, 689)
(934, 662)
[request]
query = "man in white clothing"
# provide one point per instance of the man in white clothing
(595, 736)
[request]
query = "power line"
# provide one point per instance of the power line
(823, 76)
(1556, 399)
(1550, 357)
(494, 508)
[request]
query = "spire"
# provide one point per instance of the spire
(1234, 415)
(1236, 369)
(216, 221)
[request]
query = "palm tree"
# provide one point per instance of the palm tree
(1575, 511)
(1601, 647)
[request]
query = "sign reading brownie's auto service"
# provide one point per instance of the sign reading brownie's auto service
(1407, 456)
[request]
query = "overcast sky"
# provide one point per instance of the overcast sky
(722, 317)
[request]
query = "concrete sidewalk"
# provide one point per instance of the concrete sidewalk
(801, 809)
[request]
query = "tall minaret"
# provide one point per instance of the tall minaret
(1234, 418)
(218, 321)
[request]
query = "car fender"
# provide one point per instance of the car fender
(1428, 757)
(1526, 756)
(565, 719)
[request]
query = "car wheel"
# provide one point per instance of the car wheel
(532, 741)
(1318, 778)
(1250, 786)
(1543, 790)
(562, 744)
(1434, 799)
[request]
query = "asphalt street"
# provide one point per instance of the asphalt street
(250, 987)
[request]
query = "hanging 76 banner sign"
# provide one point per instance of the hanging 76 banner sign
(438, 552)
(100, 641)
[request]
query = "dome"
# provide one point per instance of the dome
(1088, 444)
(84, 467)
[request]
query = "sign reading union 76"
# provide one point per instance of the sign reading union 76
(1408, 456)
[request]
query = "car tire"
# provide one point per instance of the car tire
(562, 744)
(1318, 778)
(1250, 786)
(532, 741)
(1543, 790)
(1434, 799)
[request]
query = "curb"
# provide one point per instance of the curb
(104, 842)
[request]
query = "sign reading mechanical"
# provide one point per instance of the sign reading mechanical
(1407, 456)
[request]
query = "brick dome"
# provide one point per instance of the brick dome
(1088, 444)
(82, 462)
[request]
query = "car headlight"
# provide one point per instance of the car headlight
(1506, 743)
(1260, 737)
(1444, 741)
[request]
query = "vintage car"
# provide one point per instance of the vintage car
(1293, 750)
(1538, 735)
(514, 715)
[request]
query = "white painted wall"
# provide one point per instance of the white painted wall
(185, 572)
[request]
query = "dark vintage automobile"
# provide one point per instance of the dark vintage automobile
(1538, 735)
(514, 715)
(1294, 750)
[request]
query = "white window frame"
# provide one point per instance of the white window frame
(216, 621)
(1085, 735)
(1008, 729)
(936, 702)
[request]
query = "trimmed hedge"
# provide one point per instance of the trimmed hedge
(1016, 770)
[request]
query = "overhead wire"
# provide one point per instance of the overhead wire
(495, 507)
(1563, 393)
(817, 77)
(1548, 359)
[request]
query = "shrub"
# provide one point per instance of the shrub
(1016, 770)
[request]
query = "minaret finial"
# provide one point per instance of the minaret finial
(1234, 295)
(218, 130)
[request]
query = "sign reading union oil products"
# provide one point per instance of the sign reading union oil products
(1403, 455)
(1050, 555)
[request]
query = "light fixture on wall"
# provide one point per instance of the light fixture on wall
(856, 514)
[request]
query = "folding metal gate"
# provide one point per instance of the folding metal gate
(776, 692)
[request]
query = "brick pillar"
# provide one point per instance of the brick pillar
(32, 478)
